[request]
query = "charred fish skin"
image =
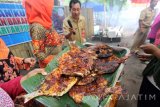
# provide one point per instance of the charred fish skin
(97, 88)
(54, 85)
(76, 62)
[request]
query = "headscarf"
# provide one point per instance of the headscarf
(39, 11)
(4, 50)
(154, 28)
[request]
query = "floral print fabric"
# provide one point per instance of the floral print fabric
(9, 68)
(46, 43)
(5, 100)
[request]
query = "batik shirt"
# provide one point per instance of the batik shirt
(78, 26)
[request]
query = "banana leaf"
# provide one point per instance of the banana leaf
(32, 83)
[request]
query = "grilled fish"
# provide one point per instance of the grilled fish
(54, 85)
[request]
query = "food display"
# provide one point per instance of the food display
(80, 73)
(98, 88)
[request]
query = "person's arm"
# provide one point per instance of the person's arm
(141, 24)
(151, 49)
(141, 20)
(157, 53)
(25, 63)
(67, 36)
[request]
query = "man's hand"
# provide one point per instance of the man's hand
(31, 61)
(151, 49)
(72, 31)
(148, 48)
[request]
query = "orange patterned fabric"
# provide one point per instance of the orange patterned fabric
(9, 64)
(52, 39)
(10, 67)
(21, 64)
(38, 46)
(46, 43)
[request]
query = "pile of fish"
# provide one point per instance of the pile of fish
(80, 72)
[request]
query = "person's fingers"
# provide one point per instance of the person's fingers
(143, 46)
(32, 62)
(33, 59)
(140, 56)
(44, 73)
(71, 29)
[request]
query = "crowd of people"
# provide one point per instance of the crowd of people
(47, 43)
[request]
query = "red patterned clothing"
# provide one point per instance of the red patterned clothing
(13, 87)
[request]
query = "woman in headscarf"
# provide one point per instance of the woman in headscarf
(45, 40)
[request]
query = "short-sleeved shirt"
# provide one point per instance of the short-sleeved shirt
(147, 15)
(78, 26)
